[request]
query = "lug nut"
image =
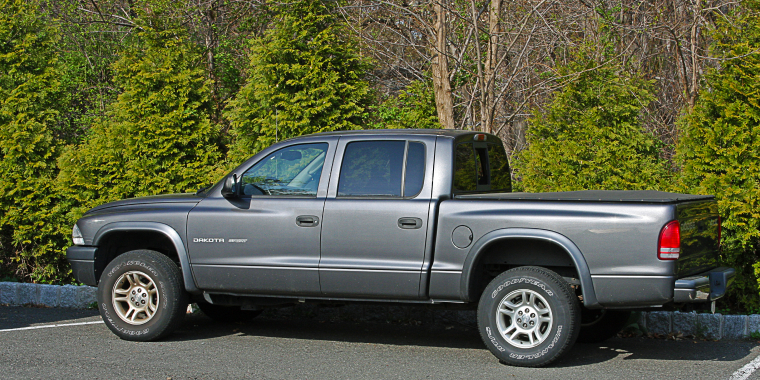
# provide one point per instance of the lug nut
(519, 320)
(532, 323)
(532, 315)
(519, 313)
(133, 292)
(524, 325)
(143, 302)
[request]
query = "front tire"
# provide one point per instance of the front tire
(141, 296)
(528, 316)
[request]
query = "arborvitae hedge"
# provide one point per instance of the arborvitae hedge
(31, 101)
(590, 137)
(720, 147)
(412, 107)
(306, 76)
(156, 137)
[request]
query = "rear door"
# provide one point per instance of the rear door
(375, 218)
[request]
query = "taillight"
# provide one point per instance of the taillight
(669, 247)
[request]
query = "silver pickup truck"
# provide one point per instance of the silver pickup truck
(401, 216)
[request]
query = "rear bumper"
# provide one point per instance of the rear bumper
(82, 260)
(704, 287)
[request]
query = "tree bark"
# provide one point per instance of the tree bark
(444, 103)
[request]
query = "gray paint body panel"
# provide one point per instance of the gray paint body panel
(358, 251)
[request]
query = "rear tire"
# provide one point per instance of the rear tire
(600, 325)
(528, 316)
(141, 296)
(227, 314)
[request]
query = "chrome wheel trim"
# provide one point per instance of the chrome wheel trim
(135, 298)
(524, 318)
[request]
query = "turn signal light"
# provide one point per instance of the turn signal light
(669, 247)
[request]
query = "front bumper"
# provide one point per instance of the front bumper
(82, 260)
(704, 287)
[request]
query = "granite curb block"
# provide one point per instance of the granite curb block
(68, 296)
(709, 326)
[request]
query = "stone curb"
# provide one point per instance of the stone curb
(68, 296)
(708, 326)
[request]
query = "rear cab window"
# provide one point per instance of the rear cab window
(481, 167)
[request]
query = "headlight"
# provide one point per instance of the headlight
(76, 236)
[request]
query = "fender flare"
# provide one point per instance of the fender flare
(587, 287)
(166, 230)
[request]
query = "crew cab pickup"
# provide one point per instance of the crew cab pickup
(401, 216)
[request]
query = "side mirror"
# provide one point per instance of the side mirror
(229, 187)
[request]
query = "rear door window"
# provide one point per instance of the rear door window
(382, 169)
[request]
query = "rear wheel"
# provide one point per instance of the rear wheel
(528, 316)
(600, 325)
(141, 296)
(227, 313)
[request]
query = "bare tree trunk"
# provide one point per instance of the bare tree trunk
(492, 60)
(444, 104)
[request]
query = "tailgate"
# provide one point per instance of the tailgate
(700, 237)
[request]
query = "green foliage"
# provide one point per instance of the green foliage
(413, 107)
(31, 100)
(720, 148)
(590, 137)
(156, 137)
(305, 77)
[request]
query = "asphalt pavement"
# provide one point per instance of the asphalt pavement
(38, 343)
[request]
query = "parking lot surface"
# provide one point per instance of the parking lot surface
(73, 344)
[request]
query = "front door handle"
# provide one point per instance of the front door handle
(307, 221)
(410, 223)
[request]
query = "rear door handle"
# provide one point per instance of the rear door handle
(410, 223)
(307, 221)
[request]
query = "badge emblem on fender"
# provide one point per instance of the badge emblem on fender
(208, 240)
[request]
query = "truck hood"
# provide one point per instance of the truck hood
(154, 199)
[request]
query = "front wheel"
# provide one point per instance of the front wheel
(528, 316)
(141, 297)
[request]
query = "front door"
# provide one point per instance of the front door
(266, 240)
(376, 219)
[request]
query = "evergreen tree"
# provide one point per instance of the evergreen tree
(305, 77)
(156, 137)
(413, 107)
(31, 100)
(720, 146)
(590, 137)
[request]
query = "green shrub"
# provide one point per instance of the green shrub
(305, 77)
(156, 137)
(590, 136)
(412, 107)
(720, 147)
(31, 100)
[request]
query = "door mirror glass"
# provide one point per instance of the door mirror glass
(229, 186)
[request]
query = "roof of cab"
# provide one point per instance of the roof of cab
(431, 132)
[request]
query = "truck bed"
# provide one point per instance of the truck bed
(639, 196)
